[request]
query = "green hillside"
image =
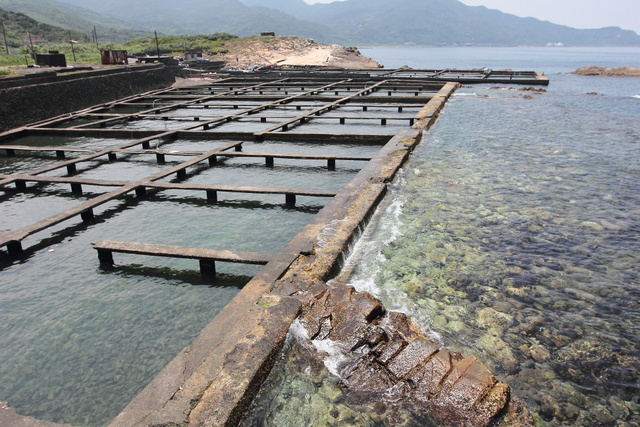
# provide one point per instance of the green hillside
(18, 25)
(64, 15)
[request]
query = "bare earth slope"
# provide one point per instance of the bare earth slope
(292, 52)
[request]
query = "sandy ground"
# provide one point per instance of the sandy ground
(293, 52)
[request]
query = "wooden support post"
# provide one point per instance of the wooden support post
(263, 119)
(87, 215)
(383, 122)
(60, 155)
(399, 109)
(181, 174)
(160, 157)
(71, 169)
(229, 119)
(145, 145)
(298, 107)
(342, 120)
(76, 188)
(290, 199)
(113, 157)
(331, 164)
(141, 192)
(269, 161)
(10, 152)
(105, 257)
(285, 128)
(14, 247)
(337, 93)
(411, 122)
(205, 127)
(303, 120)
(235, 107)
(389, 93)
(21, 184)
(417, 93)
(208, 269)
(365, 108)
(196, 119)
(212, 196)
(213, 160)
(239, 147)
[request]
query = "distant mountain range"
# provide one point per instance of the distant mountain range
(351, 22)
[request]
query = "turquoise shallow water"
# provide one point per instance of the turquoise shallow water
(513, 234)
(77, 342)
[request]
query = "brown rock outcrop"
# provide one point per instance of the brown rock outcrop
(596, 70)
(387, 354)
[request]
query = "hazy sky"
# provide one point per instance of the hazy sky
(574, 13)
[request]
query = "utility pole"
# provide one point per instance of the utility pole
(72, 49)
(157, 45)
(33, 50)
(95, 34)
(4, 32)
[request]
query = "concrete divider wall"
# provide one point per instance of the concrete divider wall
(31, 103)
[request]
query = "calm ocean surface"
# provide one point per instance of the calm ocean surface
(513, 234)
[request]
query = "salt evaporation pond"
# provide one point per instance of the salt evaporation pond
(79, 342)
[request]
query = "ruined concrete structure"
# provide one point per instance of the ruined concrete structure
(214, 380)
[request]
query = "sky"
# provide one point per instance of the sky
(573, 13)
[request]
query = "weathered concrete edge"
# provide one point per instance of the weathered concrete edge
(9, 417)
(208, 383)
(27, 104)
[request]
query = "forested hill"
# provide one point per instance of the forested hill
(58, 14)
(16, 25)
(350, 22)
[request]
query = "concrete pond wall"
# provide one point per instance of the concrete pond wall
(25, 100)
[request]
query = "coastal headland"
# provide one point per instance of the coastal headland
(597, 70)
(291, 52)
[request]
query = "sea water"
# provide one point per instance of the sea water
(513, 234)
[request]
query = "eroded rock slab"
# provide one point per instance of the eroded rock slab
(388, 355)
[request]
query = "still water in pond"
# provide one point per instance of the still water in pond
(77, 342)
(514, 235)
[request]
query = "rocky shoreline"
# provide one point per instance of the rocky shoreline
(291, 52)
(597, 70)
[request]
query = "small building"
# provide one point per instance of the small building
(34, 39)
(112, 57)
(193, 55)
(268, 34)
